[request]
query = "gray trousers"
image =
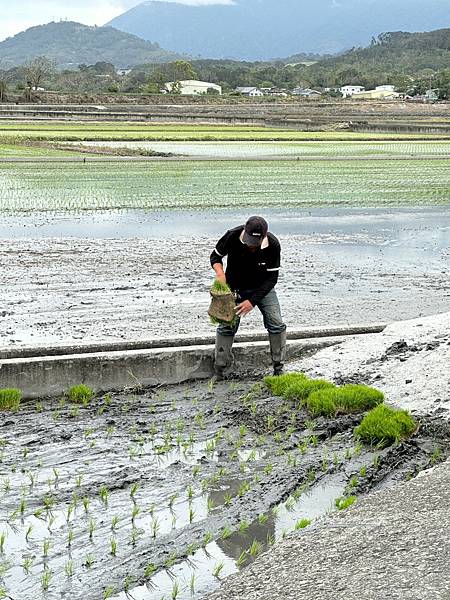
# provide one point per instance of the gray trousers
(271, 312)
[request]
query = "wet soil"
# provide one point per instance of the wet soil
(163, 492)
(114, 276)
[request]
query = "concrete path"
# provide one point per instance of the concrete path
(393, 545)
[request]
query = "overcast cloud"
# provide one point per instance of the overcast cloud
(18, 15)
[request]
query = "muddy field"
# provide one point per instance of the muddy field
(162, 493)
(136, 275)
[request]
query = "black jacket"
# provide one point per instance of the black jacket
(253, 274)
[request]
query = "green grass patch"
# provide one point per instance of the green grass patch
(383, 426)
(80, 394)
(10, 399)
(279, 385)
(220, 288)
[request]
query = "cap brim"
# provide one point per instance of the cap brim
(251, 240)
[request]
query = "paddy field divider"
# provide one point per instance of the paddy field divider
(50, 371)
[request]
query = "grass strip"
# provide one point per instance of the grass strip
(10, 399)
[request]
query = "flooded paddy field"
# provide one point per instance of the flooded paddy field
(162, 493)
(107, 276)
(328, 149)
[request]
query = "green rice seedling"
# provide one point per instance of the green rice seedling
(313, 441)
(347, 399)
(6, 484)
(311, 475)
(256, 478)
(270, 422)
(268, 469)
(321, 404)
(80, 394)
(128, 582)
(114, 522)
(191, 514)
(113, 546)
(134, 535)
(27, 564)
(243, 526)
(89, 561)
(207, 539)
(28, 533)
(68, 568)
(50, 522)
(134, 513)
(384, 425)
(70, 535)
(32, 477)
(363, 471)
(302, 524)
(218, 569)
(290, 503)
(263, 518)
(22, 506)
(279, 385)
(291, 460)
(376, 461)
(75, 411)
(70, 509)
(210, 385)
(278, 437)
(149, 571)
(46, 579)
(190, 492)
(25, 452)
(109, 592)
(191, 549)
(192, 584)
(298, 492)
(200, 420)
(133, 490)
(104, 494)
(2, 542)
(10, 399)
(195, 471)
(243, 558)
(357, 449)
(226, 533)
(86, 503)
(39, 407)
(171, 560)
(348, 454)
(172, 500)
(255, 549)
(45, 548)
(244, 488)
(303, 447)
(92, 526)
(436, 457)
(175, 590)
(227, 499)
(242, 468)
(154, 527)
(343, 503)
(310, 424)
(336, 460)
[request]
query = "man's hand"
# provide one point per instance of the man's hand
(244, 308)
(222, 279)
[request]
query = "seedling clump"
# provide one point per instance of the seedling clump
(10, 399)
(345, 399)
(383, 426)
(80, 394)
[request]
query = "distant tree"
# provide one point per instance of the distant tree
(35, 71)
(183, 69)
(3, 87)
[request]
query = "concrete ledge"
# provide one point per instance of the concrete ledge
(103, 371)
(183, 341)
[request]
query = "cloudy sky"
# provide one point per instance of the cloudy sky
(18, 15)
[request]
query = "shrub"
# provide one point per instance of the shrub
(384, 425)
(278, 385)
(349, 398)
(10, 399)
(81, 394)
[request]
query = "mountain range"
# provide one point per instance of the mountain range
(267, 29)
(69, 44)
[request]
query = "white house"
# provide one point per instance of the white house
(306, 92)
(253, 92)
(349, 90)
(385, 88)
(191, 87)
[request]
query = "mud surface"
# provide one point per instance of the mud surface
(136, 275)
(165, 492)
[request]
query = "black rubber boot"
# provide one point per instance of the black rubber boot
(223, 355)
(278, 351)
